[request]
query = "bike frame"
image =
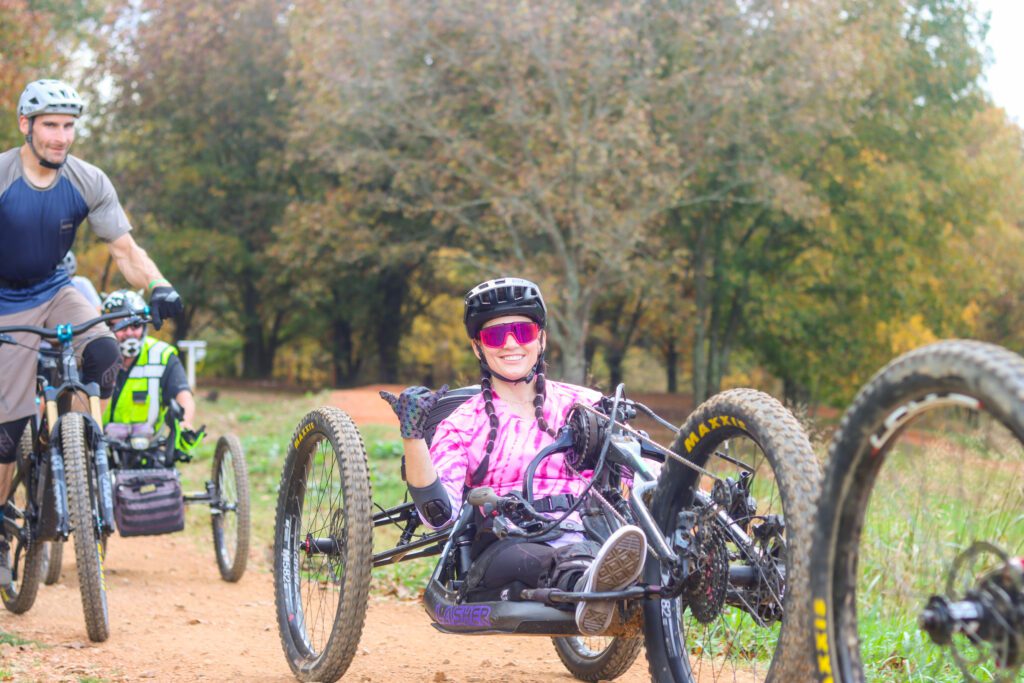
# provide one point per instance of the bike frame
(46, 431)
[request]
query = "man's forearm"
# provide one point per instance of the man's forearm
(188, 405)
(134, 263)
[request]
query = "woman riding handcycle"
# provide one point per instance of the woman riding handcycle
(551, 518)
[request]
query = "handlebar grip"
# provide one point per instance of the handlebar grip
(482, 495)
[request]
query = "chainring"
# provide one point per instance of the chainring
(709, 580)
(587, 437)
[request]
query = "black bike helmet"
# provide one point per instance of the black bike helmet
(504, 296)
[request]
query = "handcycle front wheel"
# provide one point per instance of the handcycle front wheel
(230, 522)
(598, 658)
(746, 525)
(25, 560)
(84, 516)
(917, 566)
(323, 546)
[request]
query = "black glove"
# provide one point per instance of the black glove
(412, 407)
(164, 303)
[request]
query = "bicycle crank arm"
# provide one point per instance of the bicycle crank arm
(552, 595)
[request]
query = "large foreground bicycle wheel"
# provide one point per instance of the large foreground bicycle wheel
(24, 558)
(84, 514)
(742, 617)
(231, 522)
(323, 546)
(598, 658)
(917, 572)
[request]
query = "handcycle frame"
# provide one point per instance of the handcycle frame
(535, 613)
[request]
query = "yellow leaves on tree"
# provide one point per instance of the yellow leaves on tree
(904, 335)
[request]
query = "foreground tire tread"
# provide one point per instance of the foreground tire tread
(88, 553)
(337, 428)
(797, 473)
(985, 371)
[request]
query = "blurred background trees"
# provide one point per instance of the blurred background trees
(710, 193)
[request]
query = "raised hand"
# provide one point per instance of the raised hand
(412, 407)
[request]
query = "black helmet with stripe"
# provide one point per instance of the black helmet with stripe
(501, 297)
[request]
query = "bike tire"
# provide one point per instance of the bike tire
(955, 383)
(600, 658)
(320, 640)
(83, 511)
(231, 528)
(53, 557)
(760, 423)
(20, 595)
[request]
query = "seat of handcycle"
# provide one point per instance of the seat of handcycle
(445, 406)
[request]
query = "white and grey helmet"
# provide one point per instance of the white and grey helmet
(49, 96)
(125, 300)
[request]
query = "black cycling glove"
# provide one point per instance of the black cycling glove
(164, 303)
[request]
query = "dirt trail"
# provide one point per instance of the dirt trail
(173, 619)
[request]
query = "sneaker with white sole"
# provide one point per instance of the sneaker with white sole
(617, 565)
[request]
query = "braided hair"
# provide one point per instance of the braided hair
(492, 418)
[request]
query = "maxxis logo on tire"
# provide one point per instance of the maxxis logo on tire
(823, 656)
(302, 434)
(710, 425)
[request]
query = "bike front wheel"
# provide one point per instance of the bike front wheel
(745, 526)
(84, 514)
(918, 564)
(323, 546)
(231, 521)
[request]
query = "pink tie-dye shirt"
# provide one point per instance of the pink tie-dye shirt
(459, 446)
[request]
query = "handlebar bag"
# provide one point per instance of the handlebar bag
(148, 502)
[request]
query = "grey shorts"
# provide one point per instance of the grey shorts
(18, 364)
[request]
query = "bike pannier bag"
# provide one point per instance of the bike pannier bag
(148, 502)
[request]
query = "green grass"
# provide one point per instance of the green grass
(265, 423)
(14, 639)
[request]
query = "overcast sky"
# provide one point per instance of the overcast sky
(1005, 75)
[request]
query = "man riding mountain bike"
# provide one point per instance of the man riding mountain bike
(151, 377)
(45, 194)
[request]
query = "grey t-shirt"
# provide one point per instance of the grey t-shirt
(38, 226)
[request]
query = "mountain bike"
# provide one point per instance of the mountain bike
(918, 562)
(61, 483)
(726, 510)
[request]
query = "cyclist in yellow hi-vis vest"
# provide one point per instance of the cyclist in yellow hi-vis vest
(151, 377)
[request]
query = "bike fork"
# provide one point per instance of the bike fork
(60, 490)
(105, 490)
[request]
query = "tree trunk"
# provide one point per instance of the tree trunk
(702, 301)
(394, 287)
(671, 372)
(573, 342)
